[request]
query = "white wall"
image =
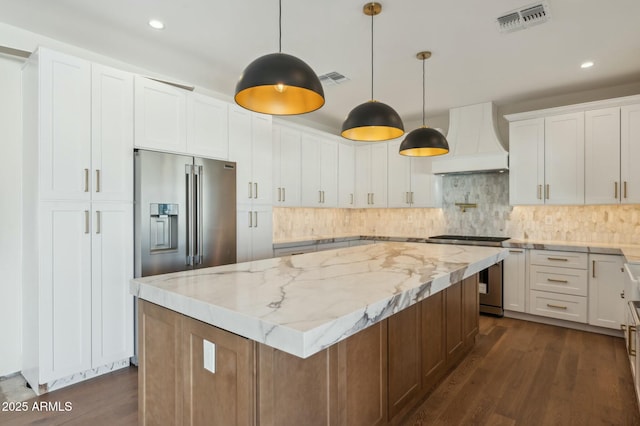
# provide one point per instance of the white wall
(10, 215)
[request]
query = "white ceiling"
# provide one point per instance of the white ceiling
(208, 43)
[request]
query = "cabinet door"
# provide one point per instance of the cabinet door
(310, 171)
(630, 152)
(111, 134)
(65, 127)
(244, 227)
(288, 168)
(346, 175)
(426, 188)
(240, 151)
(399, 172)
(378, 175)
(363, 176)
(262, 153)
(230, 383)
(606, 286)
(432, 335)
(564, 159)
(515, 276)
(111, 271)
(207, 133)
(526, 162)
(404, 358)
(160, 116)
(602, 156)
(65, 289)
(454, 336)
(262, 232)
(470, 309)
(329, 173)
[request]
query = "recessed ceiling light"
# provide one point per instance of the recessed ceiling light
(154, 23)
(587, 64)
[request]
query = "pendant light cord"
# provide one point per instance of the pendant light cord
(423, 93)
(372, 56)
(280, 26)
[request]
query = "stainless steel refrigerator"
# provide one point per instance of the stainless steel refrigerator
(185, 213)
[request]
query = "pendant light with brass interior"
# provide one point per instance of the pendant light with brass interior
(424, 141)
(279, 84)
(372, 121)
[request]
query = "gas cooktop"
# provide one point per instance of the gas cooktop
(467, 239)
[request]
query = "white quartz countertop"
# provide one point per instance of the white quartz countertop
(305, 303)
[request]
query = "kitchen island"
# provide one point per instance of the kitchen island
(349, 336)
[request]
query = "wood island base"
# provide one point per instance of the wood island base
(375, 377)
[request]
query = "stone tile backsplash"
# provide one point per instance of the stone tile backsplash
(492, 216)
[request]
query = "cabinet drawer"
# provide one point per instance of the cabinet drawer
(292, 251)
(561, 306)
(564, 259)
(559, 280)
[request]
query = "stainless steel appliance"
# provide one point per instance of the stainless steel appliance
(185, 213)
(491, 301)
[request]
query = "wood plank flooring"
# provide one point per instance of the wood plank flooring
(519, 373)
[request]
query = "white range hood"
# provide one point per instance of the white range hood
(474, 145)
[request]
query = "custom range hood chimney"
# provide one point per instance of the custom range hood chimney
(475, 146)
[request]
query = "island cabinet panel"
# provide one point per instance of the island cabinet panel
(160, 365)
(453, 323)
(470, 309)
(222, 397)
(362, 377)
(434, 354)
(296, 391)
(404, 358)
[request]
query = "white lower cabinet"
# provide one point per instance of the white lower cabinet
(254, 233)
(77, 308)
(514, 280)
(558, 284)
(606, 290)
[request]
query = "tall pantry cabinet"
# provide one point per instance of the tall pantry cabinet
(77, 211)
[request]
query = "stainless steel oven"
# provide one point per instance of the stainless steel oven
(490, 288)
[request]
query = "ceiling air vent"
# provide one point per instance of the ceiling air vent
(523, 17)
(332, 78)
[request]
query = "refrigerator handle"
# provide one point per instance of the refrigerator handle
(189, 216)
(199, 232)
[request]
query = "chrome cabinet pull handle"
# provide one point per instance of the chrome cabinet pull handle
(86, 180)
(625, 189)
(250, 220)
(97, 180)
(593, 269)
(255, 219)
(632, 331)
(560, 259)
(515, 251)
(373, 200)
(255, 187)
(86, 221)
(539, 192)
(98, 221)
(279, 194)
(250, 190)
(615, 190)
(553, 280)
(284, 195)
(548, 191)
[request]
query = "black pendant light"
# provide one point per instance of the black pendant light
(372, 121)
(424, 141)
(279, 84)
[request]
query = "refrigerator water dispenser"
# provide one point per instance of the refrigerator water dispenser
(163, 235)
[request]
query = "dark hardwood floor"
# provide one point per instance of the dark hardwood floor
(519, 373)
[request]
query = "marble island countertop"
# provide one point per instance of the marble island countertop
(303, 304)
(631, 252)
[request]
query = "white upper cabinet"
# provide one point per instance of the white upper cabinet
(564, 159)
(526, 161)
(602, 156)
(410, 180)
(111, 134)
(346, 175)
(286, 166)
(576, 154)
(207, 127)
(160, 116)
(371, 175)
(319, 171)
(630, 153)
(64, 111)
